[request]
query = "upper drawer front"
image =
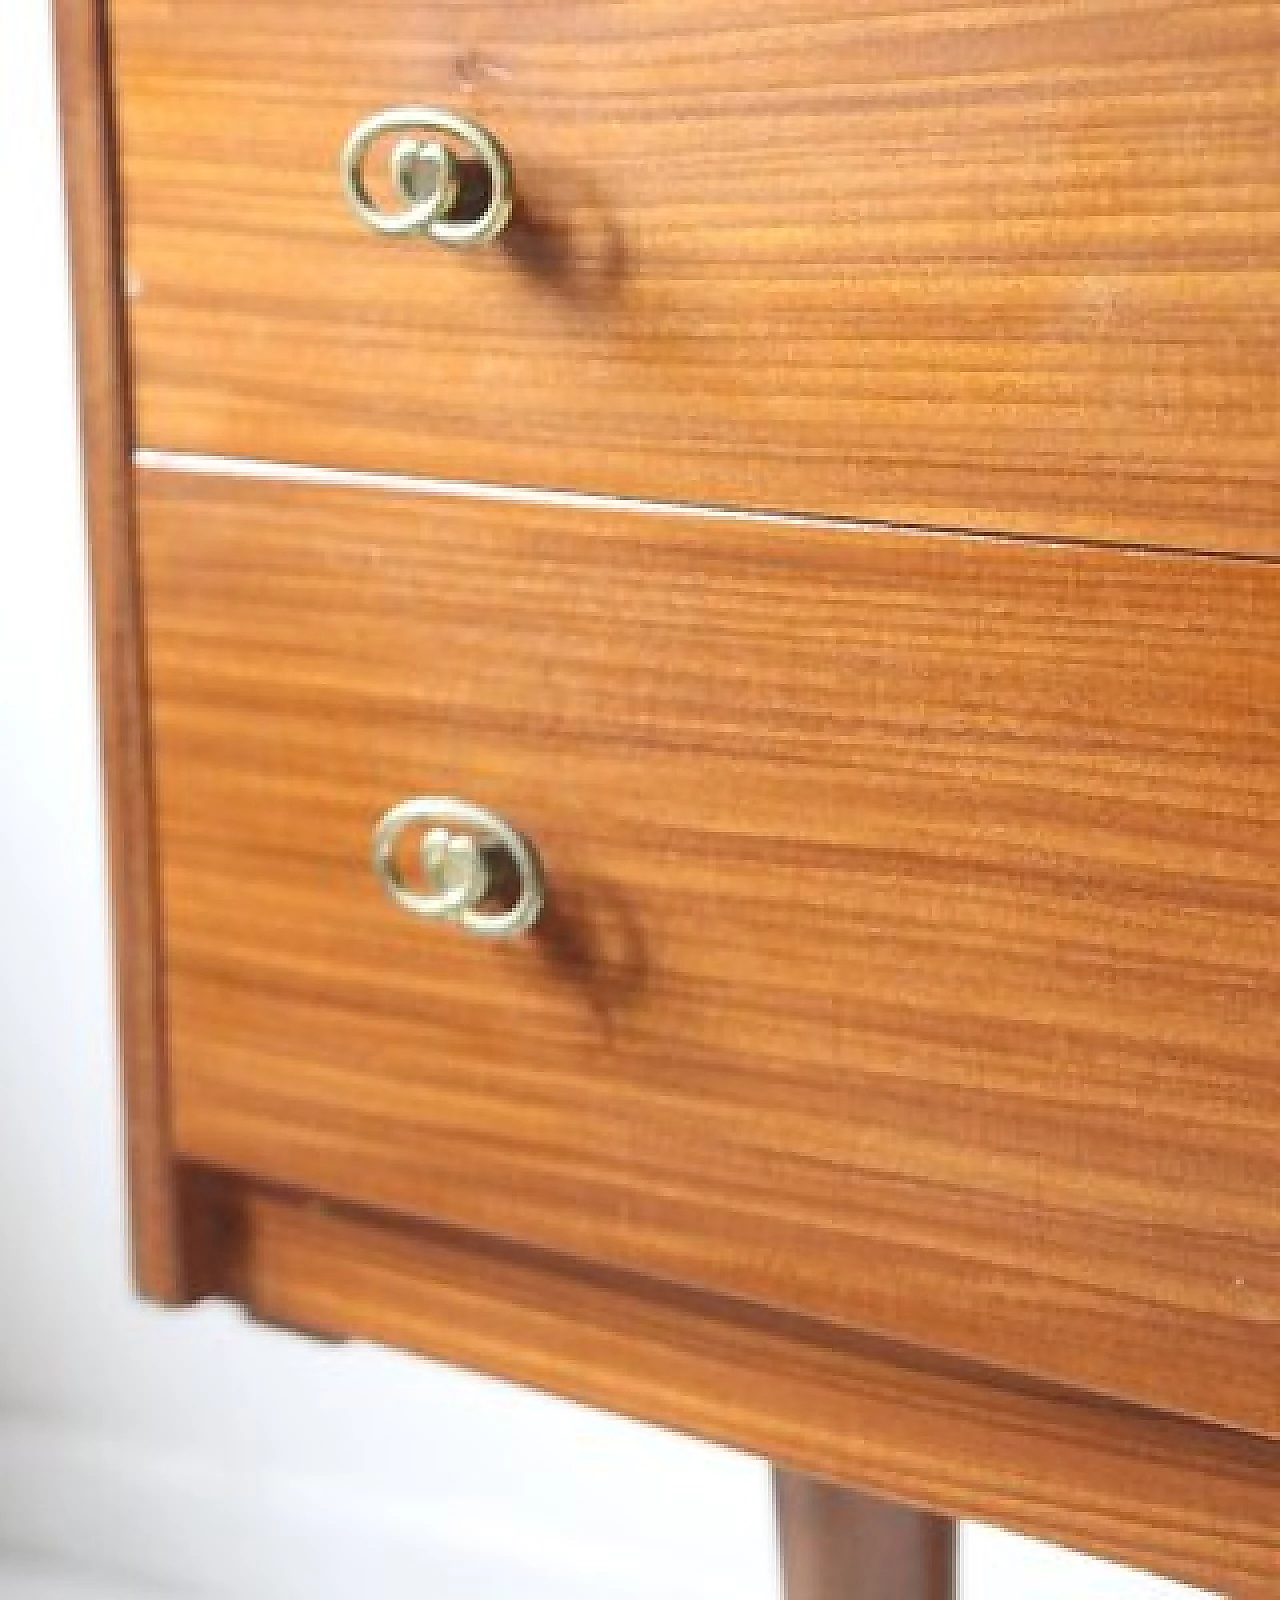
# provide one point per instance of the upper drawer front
(1009, 267)
(912, 957)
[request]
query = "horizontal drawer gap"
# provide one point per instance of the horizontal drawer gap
(243, 467)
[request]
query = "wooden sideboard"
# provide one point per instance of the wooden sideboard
(833, 526)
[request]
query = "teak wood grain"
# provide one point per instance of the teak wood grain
(837, 1544)
(1006, 267)
(1194, 1502)
(903, 362)
(912, 954)
(87, 148)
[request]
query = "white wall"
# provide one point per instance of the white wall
(190, 1450)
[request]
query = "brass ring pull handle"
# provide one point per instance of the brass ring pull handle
(460, 868)
(424, 172)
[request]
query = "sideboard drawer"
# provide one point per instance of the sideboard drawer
(1007, 268)
(912, 952)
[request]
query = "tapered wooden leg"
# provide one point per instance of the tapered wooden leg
(836, 1544)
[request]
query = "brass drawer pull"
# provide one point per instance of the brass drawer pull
(460, 869)
(425, 173)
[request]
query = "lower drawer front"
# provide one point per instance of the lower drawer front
(912, 954)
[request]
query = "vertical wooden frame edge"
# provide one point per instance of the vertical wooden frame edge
(83, 73)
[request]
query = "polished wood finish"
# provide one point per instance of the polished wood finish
(85, 103)
(1005, 267)
(1194, 1502)
(912, 960)
(836, 1544)
(901, 1035)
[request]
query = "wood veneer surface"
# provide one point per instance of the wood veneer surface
(911, 957)
(1194, 1502)
(1006, 267)
(1171, 383)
